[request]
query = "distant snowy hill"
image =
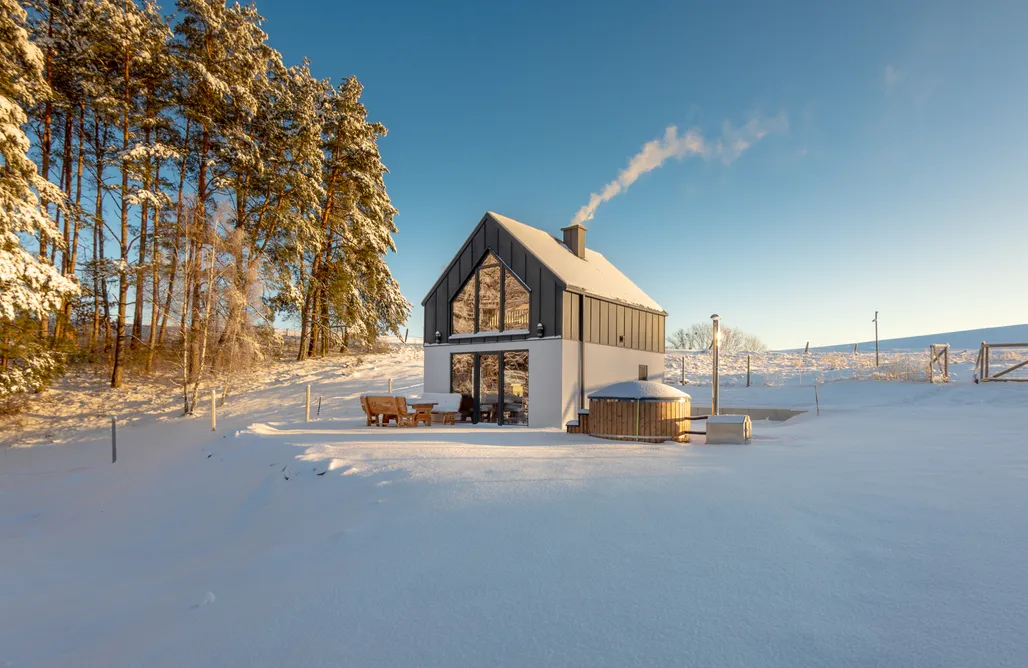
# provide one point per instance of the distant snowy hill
(965, 340)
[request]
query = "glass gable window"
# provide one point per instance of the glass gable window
(489, 296)
(493, 300)
(464, 310)
(515, 310)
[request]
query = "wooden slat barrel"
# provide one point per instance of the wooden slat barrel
(639, 411)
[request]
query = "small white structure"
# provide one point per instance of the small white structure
(729, 429)
(518, 313)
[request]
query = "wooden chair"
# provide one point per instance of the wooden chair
(405, 417)
(466, 408)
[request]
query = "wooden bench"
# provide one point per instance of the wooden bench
(380, 410)
(447, 405)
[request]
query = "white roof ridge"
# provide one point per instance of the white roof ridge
(593, 275)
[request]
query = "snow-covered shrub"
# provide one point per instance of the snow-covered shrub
(31, 373)
(907, 368)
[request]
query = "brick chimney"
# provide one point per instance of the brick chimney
(574, 238)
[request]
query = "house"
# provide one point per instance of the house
(520, 314)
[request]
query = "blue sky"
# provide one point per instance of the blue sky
(894, 179)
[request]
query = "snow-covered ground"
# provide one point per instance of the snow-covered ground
(775, 369)
(887, 531)
(968, 339)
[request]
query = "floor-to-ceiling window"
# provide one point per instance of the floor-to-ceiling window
(515, 387)
(494, 384)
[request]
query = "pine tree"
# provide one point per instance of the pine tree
(349, 282)
(209, 173)
(29, 286)
(222, 59)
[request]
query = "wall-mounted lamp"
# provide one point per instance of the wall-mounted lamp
(539, 330)
(438, 337)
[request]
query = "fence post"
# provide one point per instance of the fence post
(683, 369)
(114, 439)
(390, 386)
(319, 406)
(214, 410)
(307, 406)
(747, 371)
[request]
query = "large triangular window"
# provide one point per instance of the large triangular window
(493, 300)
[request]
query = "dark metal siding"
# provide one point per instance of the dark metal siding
(610, 324)
(546, 291)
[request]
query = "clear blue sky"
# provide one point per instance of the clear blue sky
(900, 183)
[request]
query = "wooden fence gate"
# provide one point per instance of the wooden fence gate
(938, 359)
(1006, 353)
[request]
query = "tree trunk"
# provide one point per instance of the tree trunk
(123, 284)
(155, 282)
(73, 258)
(99, 276)
(137, 313)
(178, 238)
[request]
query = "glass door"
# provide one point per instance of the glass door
(515, 387)
(493, 386)
(487, 393)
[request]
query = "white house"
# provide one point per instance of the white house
(532, 323)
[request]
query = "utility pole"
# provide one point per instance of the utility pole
(715, 398)
(875, 321)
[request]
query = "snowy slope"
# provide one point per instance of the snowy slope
(889, 531)
(969, 339)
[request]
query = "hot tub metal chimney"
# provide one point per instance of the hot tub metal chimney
(715, 398)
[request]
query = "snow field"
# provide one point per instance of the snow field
(888, 531)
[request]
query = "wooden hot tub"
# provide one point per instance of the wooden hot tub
(636, 410)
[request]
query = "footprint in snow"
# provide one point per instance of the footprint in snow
(207, 600)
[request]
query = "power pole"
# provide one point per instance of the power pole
(875, 321)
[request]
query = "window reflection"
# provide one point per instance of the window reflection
(515, 387)
(515, 312)
(496, 309)
(489, 298)
(464, 309)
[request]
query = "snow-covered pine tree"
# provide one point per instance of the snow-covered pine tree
(29, 285)
(276, 198)
(349, 282)
(222, 60)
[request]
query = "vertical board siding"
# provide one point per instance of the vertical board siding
(545, 289)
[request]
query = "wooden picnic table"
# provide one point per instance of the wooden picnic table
(423, 412)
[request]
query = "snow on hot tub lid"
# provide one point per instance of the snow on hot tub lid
(639, 389)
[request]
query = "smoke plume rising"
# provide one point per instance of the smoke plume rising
(734, 141)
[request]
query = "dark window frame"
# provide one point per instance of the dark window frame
(504, 271)
(476, 376)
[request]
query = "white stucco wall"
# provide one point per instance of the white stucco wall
(544, 374)
(552, 372)
(604, 365)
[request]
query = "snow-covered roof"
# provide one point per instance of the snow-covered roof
(594, 275)
(639, 389)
